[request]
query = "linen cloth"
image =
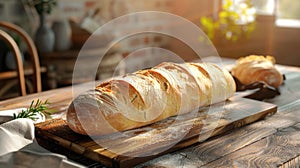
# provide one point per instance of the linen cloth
(18, 147)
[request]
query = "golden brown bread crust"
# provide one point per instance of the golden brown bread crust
(255, 68)
(148, 96)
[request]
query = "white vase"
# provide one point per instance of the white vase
(62, 32)
(44, 37)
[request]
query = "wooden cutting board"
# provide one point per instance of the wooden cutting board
(139, 145)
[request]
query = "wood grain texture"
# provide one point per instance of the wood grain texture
(221, 146)
(271, 151)
(215, 148)
(142, 144)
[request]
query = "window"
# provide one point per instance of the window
(288, 9)
(288, 13)
(264, 7)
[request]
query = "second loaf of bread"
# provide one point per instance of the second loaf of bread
(148, 96)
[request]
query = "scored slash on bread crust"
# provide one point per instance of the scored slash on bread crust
(148, 96)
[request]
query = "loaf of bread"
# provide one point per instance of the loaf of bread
(256, 68)
(148, 96)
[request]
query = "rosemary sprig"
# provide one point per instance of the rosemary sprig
(34, 109)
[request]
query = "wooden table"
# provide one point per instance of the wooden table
(272, 142)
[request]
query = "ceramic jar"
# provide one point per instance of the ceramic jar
(62, 32)
(44, 37)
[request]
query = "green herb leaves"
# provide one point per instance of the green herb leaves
(35, 109)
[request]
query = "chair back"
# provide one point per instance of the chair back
(34, 58)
